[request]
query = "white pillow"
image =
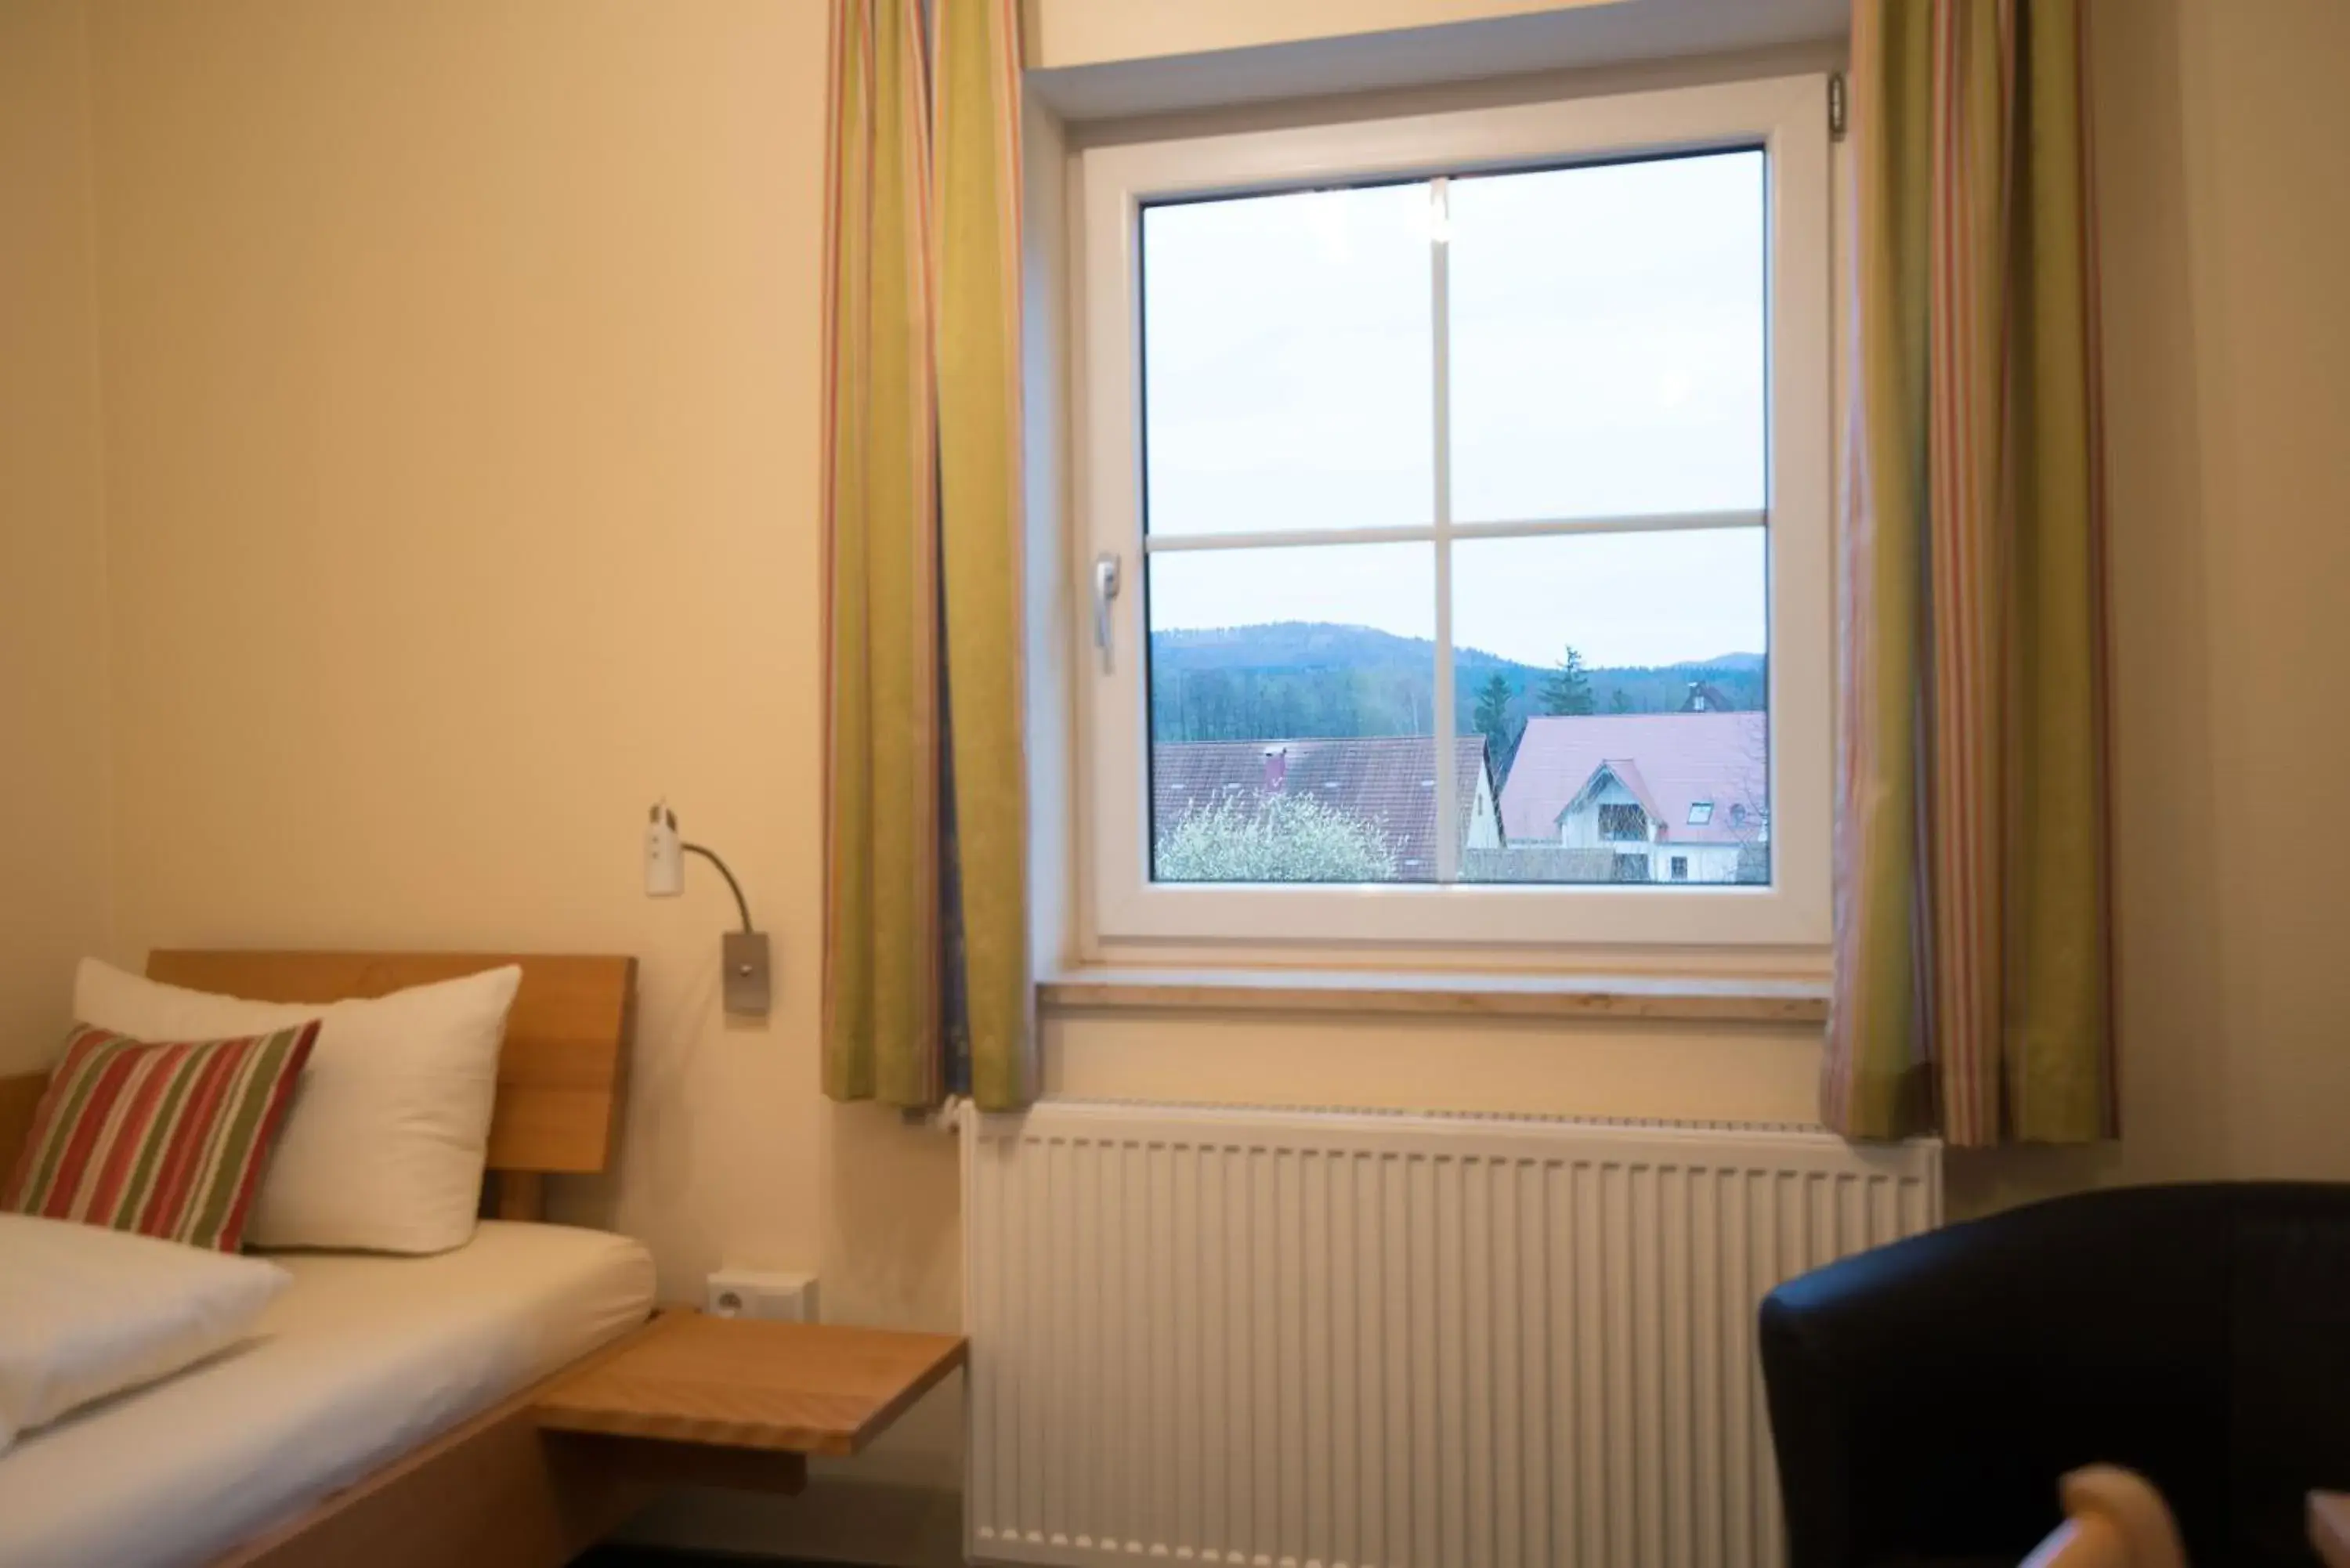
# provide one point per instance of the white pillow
(389, 1130)
(86, 1311)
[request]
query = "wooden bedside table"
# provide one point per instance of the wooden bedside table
(730, 1402)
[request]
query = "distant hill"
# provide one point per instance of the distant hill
(1319, 678)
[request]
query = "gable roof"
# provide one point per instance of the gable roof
(1705, 697)
(1670, 762)
(1625, 771)
(1389, 780)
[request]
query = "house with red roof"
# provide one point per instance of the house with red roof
(1388, 781)
(1669, 797)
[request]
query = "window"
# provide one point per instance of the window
(1463, 483)
(1623, 824)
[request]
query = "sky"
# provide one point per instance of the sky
(1606, 347)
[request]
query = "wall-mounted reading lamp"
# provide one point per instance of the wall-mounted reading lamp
(743, 952)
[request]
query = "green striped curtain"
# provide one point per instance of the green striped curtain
(926, 965)
(1972, 947)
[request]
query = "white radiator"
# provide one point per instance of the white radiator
(1304, 1339)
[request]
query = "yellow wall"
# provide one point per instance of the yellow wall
(2228, 381)
(462, 466)
(460, 436)
(461, 452)
(1723, 1072)
(52, 750)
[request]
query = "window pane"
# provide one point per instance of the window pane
(1620, 684)
(1292, 715)
(1287, 365)
(1608, 339)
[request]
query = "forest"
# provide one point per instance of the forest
(1311, 678)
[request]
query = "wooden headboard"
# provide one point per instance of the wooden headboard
(561, 1078)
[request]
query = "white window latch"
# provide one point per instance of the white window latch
(1104, 590)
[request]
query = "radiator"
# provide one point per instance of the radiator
(1305, 1339)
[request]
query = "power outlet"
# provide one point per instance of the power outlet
(751, 1292)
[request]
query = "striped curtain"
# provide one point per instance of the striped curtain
(1973, 957)
(926, 910)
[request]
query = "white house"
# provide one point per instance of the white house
(1671, 797)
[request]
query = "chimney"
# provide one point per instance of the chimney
(1276, 768)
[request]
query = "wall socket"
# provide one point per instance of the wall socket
(753, 1292)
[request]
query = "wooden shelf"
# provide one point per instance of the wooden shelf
(1371, 993)
(732, 1382)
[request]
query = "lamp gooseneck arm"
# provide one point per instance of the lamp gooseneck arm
(740, 903)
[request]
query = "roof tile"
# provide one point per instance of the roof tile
(1670, 761)
(1385, 779)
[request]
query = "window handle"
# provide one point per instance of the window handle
(1104, 590)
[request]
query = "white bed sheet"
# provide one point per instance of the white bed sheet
(362, 1359)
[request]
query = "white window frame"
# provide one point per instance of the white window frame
(1788, 118)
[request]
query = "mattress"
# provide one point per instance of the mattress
(362, 1359)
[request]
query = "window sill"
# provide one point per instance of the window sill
(1649, 999)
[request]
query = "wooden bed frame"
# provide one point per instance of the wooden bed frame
(497, 1490)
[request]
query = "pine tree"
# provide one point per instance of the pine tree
(1493, 719)
(1568, 689)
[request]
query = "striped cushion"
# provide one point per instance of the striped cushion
(165, 1140)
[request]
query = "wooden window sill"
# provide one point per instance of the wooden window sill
(1651, 998)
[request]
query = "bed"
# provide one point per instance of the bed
(382, 1414)
(362, 1360)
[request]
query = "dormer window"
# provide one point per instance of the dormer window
(1700, 813)
(1623, 824)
